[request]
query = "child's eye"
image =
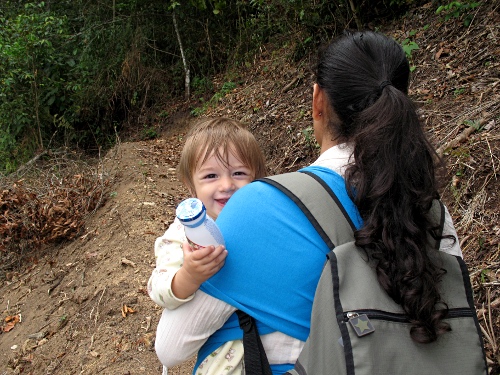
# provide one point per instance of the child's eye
(240, 173)
(211, 175)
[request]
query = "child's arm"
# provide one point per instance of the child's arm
(169, 259)
(199, 265)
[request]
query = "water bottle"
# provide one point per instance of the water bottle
(200, 229)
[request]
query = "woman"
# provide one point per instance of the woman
(374, 151)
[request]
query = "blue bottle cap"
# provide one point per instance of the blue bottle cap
(190, 210)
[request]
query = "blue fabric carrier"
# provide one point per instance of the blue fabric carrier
(270, 243)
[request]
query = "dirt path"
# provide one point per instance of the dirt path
(84, 307)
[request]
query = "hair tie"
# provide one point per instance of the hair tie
(383, 84)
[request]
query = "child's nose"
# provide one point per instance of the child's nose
(227, 184)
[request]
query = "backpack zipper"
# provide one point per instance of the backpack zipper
(376, 314)
(360, 319)
(401, 318)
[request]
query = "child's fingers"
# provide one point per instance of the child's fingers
(202, 252)
(217, 256)
(221, 258)
(216, 264)
(213, 258)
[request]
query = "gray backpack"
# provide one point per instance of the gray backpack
(356, 328)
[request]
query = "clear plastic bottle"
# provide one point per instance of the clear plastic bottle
(200, 229)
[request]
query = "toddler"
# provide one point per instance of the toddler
(219, 157)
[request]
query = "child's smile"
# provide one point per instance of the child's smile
(215, 182)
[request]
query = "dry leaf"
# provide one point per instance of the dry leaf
(10, 322)
(127, 310)
(438, 53)
(146, 340)
(13, 318)
(8, 327)
(28, 358)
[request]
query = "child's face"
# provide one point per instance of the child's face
(214, 182)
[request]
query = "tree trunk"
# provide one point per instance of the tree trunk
(186, 68)
(359, 25)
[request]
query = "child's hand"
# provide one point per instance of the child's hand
(203, 263)
(199, 265)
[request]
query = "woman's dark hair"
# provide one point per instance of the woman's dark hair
(392, 181)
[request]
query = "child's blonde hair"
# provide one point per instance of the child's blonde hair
(219, 136)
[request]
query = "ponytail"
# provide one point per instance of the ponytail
(392, 183)
(392, 180)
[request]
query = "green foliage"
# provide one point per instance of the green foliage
(401, 2)
(149, 133)
(461, 153)
(309, 138)
(476, 124)
(302, 48)
(163, 114)
(458, 10)
(70, 75)
(71, 71)
(409, 46)
(227, 87)
(198, 111)
(34, 81)
(201, 85)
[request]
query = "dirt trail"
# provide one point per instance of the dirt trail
(84, 307)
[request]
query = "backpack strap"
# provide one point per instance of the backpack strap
(319, 203)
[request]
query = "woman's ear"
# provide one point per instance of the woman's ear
(323, 115)
(318, 104)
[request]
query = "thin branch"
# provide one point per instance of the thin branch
(186, 68)
(492, 161)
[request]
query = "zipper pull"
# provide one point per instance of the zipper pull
(360, 323)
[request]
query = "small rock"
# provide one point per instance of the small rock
(127, 262)
(38, 335)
